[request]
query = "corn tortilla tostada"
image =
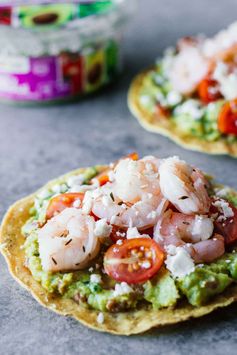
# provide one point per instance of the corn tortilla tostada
(190, 94)
(135, 278)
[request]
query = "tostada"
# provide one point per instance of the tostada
(190, 94)
(126, 247)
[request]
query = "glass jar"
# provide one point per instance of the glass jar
(56, 52)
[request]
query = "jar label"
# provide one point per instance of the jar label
(57, 77)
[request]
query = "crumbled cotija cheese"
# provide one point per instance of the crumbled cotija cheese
(122, 289)
(102, 228)
(179, 263)
(95, 278)
(100, 318)
(87, 203)
(134, 233)
(224, 208)
(75, 180)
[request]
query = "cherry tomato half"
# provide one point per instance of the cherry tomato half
(162, 111)
(208, 90)
(133, 156)
(58, 203)
(228, 227)
(134, 261)
(227, 119)
(103, 179)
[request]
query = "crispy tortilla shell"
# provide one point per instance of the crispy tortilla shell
(164, 126)
(126, 323)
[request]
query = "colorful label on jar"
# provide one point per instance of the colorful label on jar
(44, 16)
(57, 77)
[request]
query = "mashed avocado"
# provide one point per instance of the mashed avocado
(161, 291)
(209, 280)
(102, 299)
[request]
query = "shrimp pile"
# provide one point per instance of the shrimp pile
(198, 58)
(168, 196)
(133, 198)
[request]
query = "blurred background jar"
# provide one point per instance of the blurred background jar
(60, 51)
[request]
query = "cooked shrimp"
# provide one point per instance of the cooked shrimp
(191, 232)
(189, 67)
(183, 186)
(134, 198)
(207, 251)
(188, 228)
(67, 241)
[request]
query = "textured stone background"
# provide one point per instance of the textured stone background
(37, 144)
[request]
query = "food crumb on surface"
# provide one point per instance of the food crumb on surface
(100, 318)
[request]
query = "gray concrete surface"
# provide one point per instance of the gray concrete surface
(37, 144)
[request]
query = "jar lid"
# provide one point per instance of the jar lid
(73, 36)
(41, 15)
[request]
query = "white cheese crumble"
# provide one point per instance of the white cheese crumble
(75, 180)
(145, 100)
(134, 233)
(102, 228)
(179, 263)
(224, 208)
(202, 228)
(100, 318)
(122, 289)
(56, 188)
(87, 203)
(43, 194)
(121, 234)
(95, 278)
(227, 81)
(190, 107)
(173, 98)
(168, 60)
